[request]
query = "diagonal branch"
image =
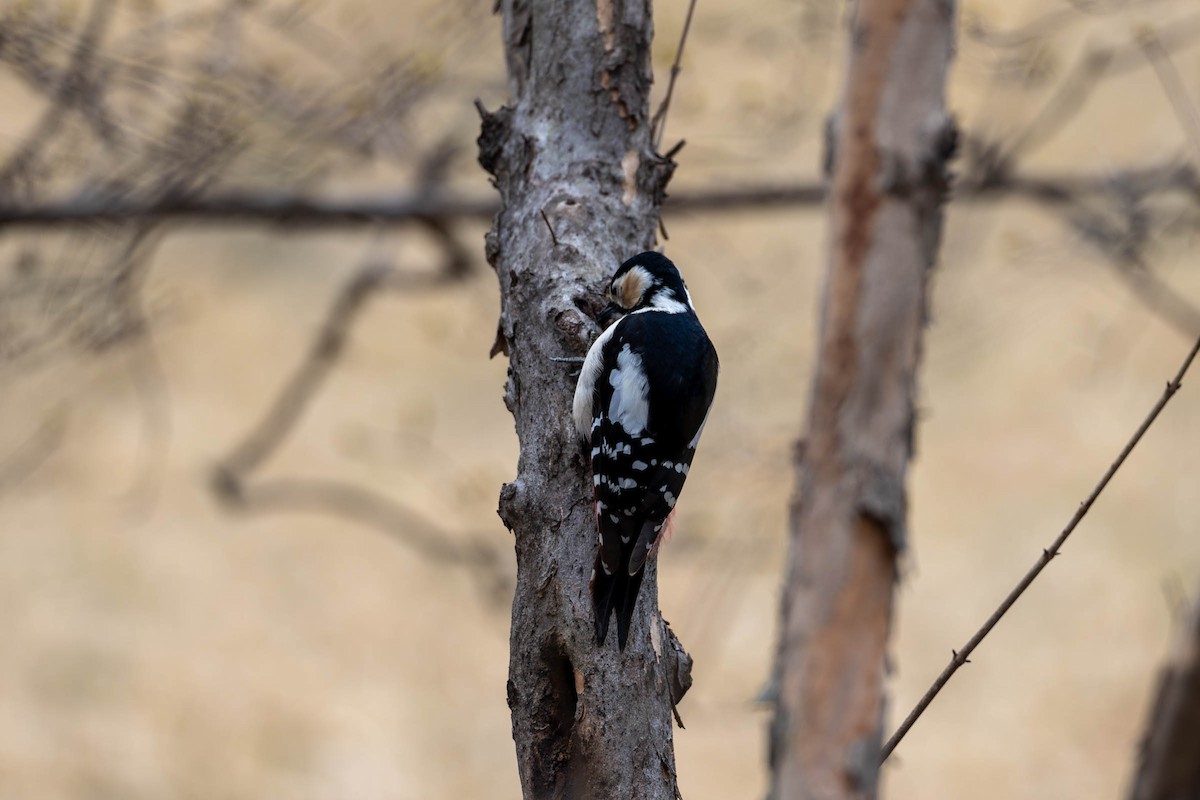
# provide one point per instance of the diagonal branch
(658, 124)
(72, 89)
(231, 477)
(1172, 83)
(34, 451)
(324, 354)
(962, 656)
(1122, 247)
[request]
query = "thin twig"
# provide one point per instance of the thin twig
(1064, 103)
(1172, 83)
(1084, 77)
(549, 227)
(30, 454)
(149, 377)
(1122, 250)
(1175, 37)
(658, 124)
(64, 96)
(1040, 28)
(469, 550)
(231, 479)
(961, 656)
(324, 353)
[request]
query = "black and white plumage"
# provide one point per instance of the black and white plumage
(642, 400)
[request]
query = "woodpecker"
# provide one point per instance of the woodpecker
(642, 400)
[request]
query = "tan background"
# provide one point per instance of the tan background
(155, 646)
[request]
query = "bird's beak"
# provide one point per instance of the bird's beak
(609, 314)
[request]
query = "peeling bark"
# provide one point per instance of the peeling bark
(580, 187)
(1169, 758)
(891, 140)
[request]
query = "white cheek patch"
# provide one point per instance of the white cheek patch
(665, 302)
(630, 407)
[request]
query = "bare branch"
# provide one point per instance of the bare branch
(25, 459)
(1063, 104)
(422, 206)
(658, 123)
(1090, 69)
(1172, 83)
(472, 551)
(278, 208)
(323, 355)
(1041, 27)
(960, 656)
(1121, 245)
(72, 90)
(230, 479)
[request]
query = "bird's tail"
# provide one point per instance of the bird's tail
(615, 593)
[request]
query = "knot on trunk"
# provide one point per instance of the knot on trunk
(494, 130)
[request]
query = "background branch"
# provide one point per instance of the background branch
(1168, 177)
(658, 123)
(231, 480)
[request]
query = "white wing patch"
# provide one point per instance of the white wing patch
(585, 390)
(630, 407)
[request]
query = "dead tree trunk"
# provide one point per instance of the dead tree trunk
(580, 187)
(1169, 761)
(891, 140)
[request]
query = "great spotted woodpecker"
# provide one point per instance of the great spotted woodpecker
(642, 400)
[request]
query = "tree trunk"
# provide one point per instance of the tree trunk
(1169, 759)
(891, 140)
(580, 187)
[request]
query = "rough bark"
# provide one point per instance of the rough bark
(580, 187)
(1169, 759)
(890, 143)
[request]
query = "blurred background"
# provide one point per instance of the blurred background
(248, 471)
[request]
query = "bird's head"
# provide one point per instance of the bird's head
(646, 281)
